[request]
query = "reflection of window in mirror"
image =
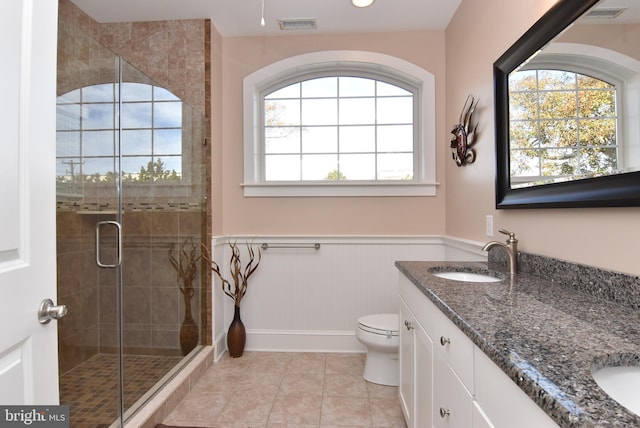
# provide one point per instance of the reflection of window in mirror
(562, 124)
(566, 112)
(87, 133)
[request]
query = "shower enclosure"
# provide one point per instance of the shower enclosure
(131, 183)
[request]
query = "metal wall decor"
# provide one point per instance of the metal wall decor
(464, 134)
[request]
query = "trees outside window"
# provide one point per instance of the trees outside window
(89, 123)
(562, 124)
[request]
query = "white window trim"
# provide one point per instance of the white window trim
(425, 183)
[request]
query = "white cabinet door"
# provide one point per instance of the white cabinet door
(423, 412)
(406, 363)
(452, 403)
(28, 350)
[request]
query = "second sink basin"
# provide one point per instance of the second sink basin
(465, 276)
(622, 384)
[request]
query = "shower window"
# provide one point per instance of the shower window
(151, 148)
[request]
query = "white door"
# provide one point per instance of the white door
(28, 349)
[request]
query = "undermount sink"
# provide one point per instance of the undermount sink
(465, 276)
(622, 384)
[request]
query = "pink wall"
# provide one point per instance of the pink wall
(620, 38)
(236, 214)
(461, 60)
(478, 34)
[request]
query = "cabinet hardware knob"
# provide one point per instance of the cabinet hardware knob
(408, 324)
(444, 412)
(444, 340)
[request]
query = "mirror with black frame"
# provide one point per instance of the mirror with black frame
(567, 109)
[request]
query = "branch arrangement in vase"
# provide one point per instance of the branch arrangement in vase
(239, 274)
(186, 269)
(236, 333)
(185, 266)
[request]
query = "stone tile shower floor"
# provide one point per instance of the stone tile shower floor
(292, 390)
(91, 389)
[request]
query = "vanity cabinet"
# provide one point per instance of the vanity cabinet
(447, 381)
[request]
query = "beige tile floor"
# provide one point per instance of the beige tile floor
(292, 390)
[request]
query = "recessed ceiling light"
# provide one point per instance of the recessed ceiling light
(362, 3)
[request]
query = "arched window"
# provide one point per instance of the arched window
(347, 127)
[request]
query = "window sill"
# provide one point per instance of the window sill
(286, 189)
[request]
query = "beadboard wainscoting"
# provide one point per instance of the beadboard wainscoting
(307, 299)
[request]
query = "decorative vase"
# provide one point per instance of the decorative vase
(189, 329)
(236, 335)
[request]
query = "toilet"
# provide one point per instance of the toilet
(379, 333)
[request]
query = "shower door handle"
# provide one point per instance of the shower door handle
(118, 227)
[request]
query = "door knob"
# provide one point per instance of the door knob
(48, 311)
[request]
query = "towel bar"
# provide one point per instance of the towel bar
(266, 246)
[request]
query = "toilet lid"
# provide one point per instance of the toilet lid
(380, 324)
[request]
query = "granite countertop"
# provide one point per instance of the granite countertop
(544, 335)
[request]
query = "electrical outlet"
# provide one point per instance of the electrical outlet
(489, 225)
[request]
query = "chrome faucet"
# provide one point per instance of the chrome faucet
(511, 247)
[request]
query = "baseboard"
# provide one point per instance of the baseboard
(220, 346)
(303, 341)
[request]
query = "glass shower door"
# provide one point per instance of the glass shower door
(163, 176)
(131, 217)
(87, 183)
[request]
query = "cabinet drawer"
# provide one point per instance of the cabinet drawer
(452, 403)
(453, 344)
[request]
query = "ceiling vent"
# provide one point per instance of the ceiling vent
(297, 24)
(605, 13)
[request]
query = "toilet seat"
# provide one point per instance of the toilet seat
(382, 324)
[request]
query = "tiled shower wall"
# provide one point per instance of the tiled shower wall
(176, 55)
(173, 53)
